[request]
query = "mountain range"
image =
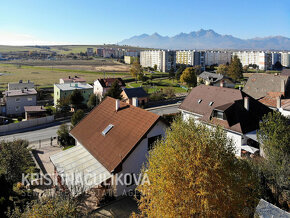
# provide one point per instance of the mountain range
(207, 39)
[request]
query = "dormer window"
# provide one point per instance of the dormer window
(219, 114)
(199, 101)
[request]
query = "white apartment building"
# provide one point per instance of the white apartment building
(285, 59)
(190, 57)
(164, 60)
(217, 57)
(262, 59)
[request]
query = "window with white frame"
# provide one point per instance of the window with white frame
(17, 99)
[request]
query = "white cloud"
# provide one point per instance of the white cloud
(8, 38)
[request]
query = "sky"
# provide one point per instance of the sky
(48, 22)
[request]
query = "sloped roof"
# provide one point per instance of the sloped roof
(109, 81)
(130, 125)
(138, 92)
(211, 77)
(285, 72)
(231, 101)
(259, 84)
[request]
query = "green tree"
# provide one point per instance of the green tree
(136, 69)
(63, 104)
(180, 69)
(278, 66)
(76, 99)
(155, 67)
(15, 159)
(189, 77)
(274, 135)
(200, 176)
(63, 135)
(171, 74)
(77, 117)
(93, 101)
(223, 69)
(115, 91)
(235, 70)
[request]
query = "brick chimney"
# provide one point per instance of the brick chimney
(117, 104)
(246, 103)
(283, 86)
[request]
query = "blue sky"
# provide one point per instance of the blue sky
(110, 21)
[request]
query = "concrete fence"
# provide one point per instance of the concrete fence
(26, 124)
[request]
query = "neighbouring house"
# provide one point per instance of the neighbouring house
(101, 86)
(15, 100)
(33, 112)
(273, 100)
(135, 96)
(238, 113)
(215, 79)
(112, 144)
(260, 85)
(75, 79)
(64, 90)
(20, 85)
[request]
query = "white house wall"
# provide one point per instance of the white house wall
(133, 164)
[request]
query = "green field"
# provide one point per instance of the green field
(158, 84)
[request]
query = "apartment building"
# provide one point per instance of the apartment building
(190, 57)
(163, 59)
(217, 57)
(275, 57)
(285, 59)
(262, 59)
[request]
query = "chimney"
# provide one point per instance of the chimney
(117, 104)
(135, 101)
(222, 83)
(278, 102)
(283, 86)
(246, 103)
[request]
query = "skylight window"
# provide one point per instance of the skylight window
(210, 103)
(199, 101)
(108, 128)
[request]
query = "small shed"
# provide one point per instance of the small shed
(32, 112)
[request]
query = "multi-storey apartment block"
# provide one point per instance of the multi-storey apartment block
(285, 59)
(262, 59)
(217, 57)
(190, 57)
(164, 60)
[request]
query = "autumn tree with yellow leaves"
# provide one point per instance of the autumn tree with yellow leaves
(193, 172)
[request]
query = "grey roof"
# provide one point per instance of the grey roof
(268, 210)
(138, 92)
(285, 72)
(211, 77)
(20, 92)
(79, 169)
(73, 86)
(259, 84)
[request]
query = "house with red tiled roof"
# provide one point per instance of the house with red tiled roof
(75, 79)
(101, 86)
(112, 144)
(236, 112)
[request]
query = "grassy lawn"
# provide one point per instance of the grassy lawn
(158, 84)
(45, 76)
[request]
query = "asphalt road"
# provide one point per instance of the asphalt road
(34, 135)
(163, 110)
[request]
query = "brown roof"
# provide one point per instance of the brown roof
(109, 81)
(271, 101)
(285, 72)
(259, 84)
(131, 124)
(230, 101)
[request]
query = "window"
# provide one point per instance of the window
(219, 114)
(17, 108)
(199, 101)
(29, 99)
(152, 140)
(210, 103)
(107, 129)
(17, 99)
